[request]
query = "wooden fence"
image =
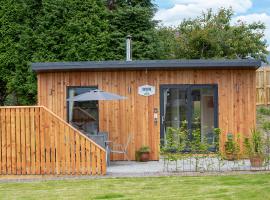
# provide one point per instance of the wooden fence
(263, 86)
(36, 141)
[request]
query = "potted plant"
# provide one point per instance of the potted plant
(143, 154)
(254, 148)
(231, 148)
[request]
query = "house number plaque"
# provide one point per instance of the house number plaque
(146, 90)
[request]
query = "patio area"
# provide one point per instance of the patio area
(134, 168)
(190, 166)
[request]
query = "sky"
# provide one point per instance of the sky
(172, 12)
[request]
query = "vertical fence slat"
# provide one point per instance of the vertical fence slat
(72, 150)
(28, 141)
(52, 135)
(63, 148)
(265, 86)
(88, 157)
(23, 141)
(33, 140)
(47, 143)
(67, 150)
(8, 141)
(82, 155)
(4, 141)
(42, 141)
(13, 141)
(18, 141)
(98, 161)
(37, 145)
(77, 155)
(93, 158)
(57, 149)
(103, 163)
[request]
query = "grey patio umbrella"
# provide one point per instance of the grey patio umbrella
(96, 95)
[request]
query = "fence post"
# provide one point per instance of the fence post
(265, 86)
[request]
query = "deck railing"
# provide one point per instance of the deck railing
(36, 141)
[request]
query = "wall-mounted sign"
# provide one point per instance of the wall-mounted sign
(146, 90)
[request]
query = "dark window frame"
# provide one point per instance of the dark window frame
(67, 102)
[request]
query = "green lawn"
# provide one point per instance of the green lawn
(210, 187)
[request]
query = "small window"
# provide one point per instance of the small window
(82, 115)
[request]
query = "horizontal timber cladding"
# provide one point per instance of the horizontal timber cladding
(36, 141)
(236, 98)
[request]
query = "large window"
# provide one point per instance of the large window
(82, 115)
(195, 105)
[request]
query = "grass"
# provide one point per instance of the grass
(208, 187)
(264, 110)
(263, 118)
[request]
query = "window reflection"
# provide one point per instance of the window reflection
(192, 104)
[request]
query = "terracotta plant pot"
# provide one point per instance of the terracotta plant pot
(256, 161)
(144, 157)
(230, 156)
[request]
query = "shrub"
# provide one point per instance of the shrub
(266, 126)
(254, 145)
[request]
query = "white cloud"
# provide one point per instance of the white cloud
(192, 8)
(255, 17)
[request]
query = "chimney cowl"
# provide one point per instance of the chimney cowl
(128, 48)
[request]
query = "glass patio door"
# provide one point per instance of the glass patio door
(195, 105)
(175, 107)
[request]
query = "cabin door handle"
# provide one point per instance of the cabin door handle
(162, 119)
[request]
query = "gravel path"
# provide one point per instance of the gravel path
(143, 169)
(185, 165)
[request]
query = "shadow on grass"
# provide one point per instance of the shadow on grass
(109, 196)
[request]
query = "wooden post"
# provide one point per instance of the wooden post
(265, 86)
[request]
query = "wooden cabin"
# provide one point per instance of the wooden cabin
(160, 94)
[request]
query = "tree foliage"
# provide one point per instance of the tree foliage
(213, 35)
(82, 30)
(15, 33)
(67, 30)
(70, 30)
(133, 17)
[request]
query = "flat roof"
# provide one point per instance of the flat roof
(146, 64)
